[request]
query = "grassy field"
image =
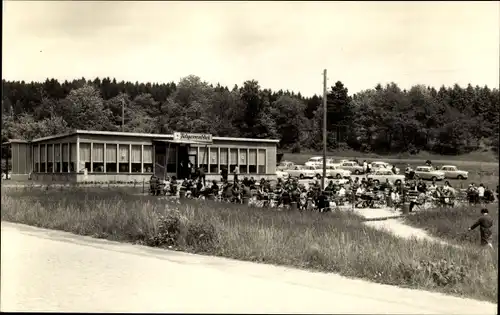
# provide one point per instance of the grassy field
(452, 224)
(337, 242)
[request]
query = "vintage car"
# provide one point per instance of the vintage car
(315, 160)
(451, 171)
(304, 171)
(382, 175)
(333, 170)
(353, 167)
(383, 165)
(284, 165)
(282, 174)
(429, 173)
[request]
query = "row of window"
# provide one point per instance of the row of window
(249, 161)
(113, 158)
(95, 157)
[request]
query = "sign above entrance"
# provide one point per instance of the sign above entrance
(184, 137)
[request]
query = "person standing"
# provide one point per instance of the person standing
(235, 173)
(485, 223)
(201, 175)
(224, 173)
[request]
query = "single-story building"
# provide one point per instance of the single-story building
(104, 156)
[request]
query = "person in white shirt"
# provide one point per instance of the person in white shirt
(365, 166)
(360, 191)
(341, 191)
(480, 192)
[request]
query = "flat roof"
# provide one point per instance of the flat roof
(15, 141)
(142, 135)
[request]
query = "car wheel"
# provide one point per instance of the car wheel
(460, 177)
(357, 172)
(338, 176)
(434, 178)
(398, 182)
(318, 176)
(301, 176)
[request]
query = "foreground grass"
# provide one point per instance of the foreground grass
(336, 242)
(452, 224)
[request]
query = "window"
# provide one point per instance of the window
(72, 157)
(214, 161)
(84, 157)
(111, 158)
(148, 158)
(124, 158)
(136, 159)
(252, 161)
(65, 157)
(233, 159)
(261, 158)
(36, 158)
(204, 158)
(57, 158)
(193, 155)
(243, 161)
(43, 158)
(223, 158)
(98, 157)
(50, 158)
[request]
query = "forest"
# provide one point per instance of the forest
(385, 119)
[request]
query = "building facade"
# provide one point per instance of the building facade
(102, 156)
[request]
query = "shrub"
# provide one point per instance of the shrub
(442, 272)
(201, 237)
(168, 231)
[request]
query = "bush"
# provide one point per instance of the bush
(442, 272)
(168, 231)
(201, 237)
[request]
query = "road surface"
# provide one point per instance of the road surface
(45, 270)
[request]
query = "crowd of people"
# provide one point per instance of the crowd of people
(358, 192)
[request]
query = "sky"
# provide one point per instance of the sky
(283, 45)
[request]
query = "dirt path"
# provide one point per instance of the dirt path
(390, 221)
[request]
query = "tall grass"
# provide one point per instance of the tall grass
(451, 224)
(335, 242)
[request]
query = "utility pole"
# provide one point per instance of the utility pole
(324, 131)
(123, 115)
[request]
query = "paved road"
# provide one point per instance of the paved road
(46, 270)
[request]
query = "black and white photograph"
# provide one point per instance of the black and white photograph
(250, 157)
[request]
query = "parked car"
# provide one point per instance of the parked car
(451, 171)
(383, 165)
(353, 167)
(315, 160)
(282, 174)
(429, 173)
(304, 171)
(337, 172)
(284, 165)
(382, 174)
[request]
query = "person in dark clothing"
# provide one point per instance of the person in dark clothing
(224, 173)
(485, 223)
(322, 202)
(201, 175)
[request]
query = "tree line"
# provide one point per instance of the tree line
(385, 119)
